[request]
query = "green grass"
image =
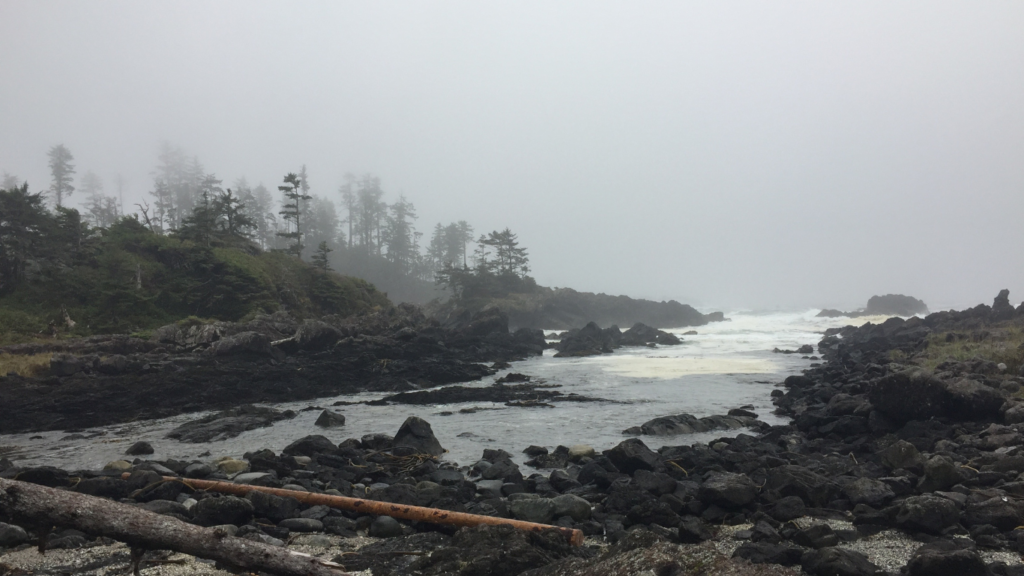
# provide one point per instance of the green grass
(998, 344)
(25, 365)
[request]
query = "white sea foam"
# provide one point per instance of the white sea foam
(726, 365)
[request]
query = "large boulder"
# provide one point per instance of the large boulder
(868, 491)
(223, 510)
(416, 433)
(946, 558)
(1003, 512)
(811, 487)
(241, 343)
(310, 446)
(641, 335)
(228, 424)
(837, 562)
(728, 490)
(940, 473)
(632, 455)
(316, 335)
(968, 400)
(587, 341)
(906, 396)
(927, 513)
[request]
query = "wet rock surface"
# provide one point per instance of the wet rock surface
(103, 380)
(856, 465)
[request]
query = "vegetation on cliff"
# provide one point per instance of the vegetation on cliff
(58, 274)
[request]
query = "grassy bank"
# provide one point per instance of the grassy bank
(1000, 344)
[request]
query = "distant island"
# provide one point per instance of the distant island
(887, 305)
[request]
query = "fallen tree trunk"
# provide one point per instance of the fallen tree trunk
(38, 505)
(403, 511)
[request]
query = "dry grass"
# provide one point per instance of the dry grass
(1002, 344)
(25, 365)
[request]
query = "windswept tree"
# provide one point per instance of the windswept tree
(232, 218)
(61, 172)
(510, 258)
(291, 211)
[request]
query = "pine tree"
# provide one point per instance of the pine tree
(61, 170)
(292, 211)
(319, 259)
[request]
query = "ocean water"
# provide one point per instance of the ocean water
(726, 365)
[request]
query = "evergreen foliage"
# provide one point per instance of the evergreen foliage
(291, 211)
(61, 170)
(127, 277)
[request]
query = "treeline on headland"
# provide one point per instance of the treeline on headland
(197, 247)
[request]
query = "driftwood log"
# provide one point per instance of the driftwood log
(403, 511)
(38, 505)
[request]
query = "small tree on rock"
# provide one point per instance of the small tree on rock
(319, 259)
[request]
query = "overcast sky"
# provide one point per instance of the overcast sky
(725, 154)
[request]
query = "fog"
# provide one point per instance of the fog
(740, 154)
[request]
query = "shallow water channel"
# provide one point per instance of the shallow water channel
(726, 365)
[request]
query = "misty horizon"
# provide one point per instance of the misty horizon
(741, 156)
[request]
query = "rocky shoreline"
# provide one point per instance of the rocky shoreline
(884, 469)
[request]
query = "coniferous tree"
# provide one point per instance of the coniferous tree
(9, 182)
(401, 237)
(348, 197)
(292, 211)
(232, 217)
(23, 223)
(319, 258)
(61, 170)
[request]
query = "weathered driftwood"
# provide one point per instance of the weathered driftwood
(406, 512)
(141, 529)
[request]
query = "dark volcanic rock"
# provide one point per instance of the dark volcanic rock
(895, 305)
(688, 424)
(228, 424)
(140, 448)
(493, 551)
(587, 341)
(927, 513)
(316, 335)
(909, 396)
(728, 490)
(223, 510)
(946, 558)
(416, 433)
(12, 535)
(632, 455)
(837, 562)
(812, 488)
(328, 419)
(641, 335)
(310, 446)
(969, 400)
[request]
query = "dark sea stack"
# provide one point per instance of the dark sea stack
(895, 305)
(1001, 307)
(417, 434)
